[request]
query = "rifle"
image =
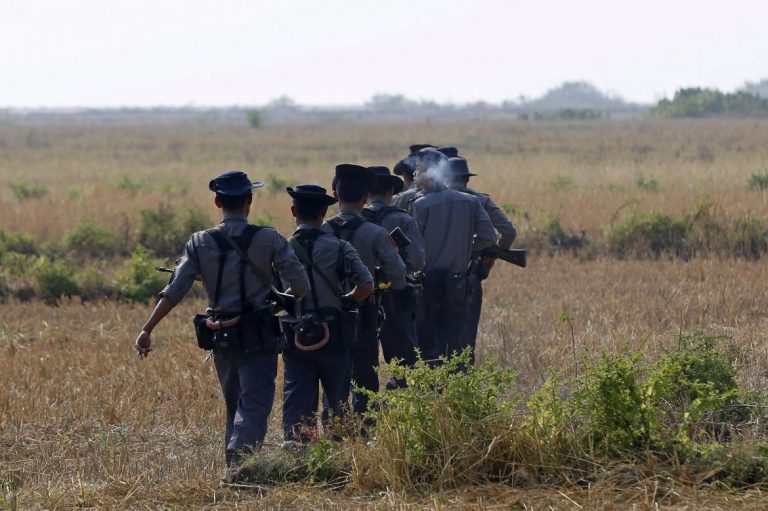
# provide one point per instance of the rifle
(516, 256)
(288, 303)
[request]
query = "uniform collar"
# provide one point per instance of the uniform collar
(458, 187)
(350, 212)
(234, 217)
(377, 204)
(305, 227)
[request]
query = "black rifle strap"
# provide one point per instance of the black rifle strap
(219, 276)
(225, 242)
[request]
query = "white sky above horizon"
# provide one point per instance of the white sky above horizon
(56, 53)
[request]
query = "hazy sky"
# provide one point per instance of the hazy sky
(226, 52)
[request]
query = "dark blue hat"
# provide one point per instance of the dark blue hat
(458, 167)
(449, 151)
(233, 182)
(385, 179)
(311, 193)
(357, 173)
(415, 148)
(405, 166)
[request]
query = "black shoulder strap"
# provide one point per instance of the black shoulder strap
(239, 244)
(345, 229)
(377, 215)
(303, 243)
(223, 250)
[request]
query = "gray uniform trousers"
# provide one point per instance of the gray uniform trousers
(441, 326)
(398, 333)
(475, 285)
(248, 384)
(365, 356)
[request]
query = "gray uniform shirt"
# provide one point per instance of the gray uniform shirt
(414, 253)
(325, 258)
(450, 221)
(375, 247)
(501, 222)
(268, 249)
(404, 199)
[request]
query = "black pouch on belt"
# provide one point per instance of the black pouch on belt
(456, 288)
(202, 332)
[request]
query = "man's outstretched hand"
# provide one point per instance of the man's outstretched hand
(143, 344)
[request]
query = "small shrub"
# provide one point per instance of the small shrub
(137, 280)
(130, 185)
(557, 236)
(264, 218)
(255, 118)
(275, 184)
(751, 238)
(164, 232)
(55, 279)
(19, 242)
(92, 283)
(649, 185)
(24, 190)
(74, 192)
(758, 180)
(91, 240)
(651, 233)
(561, 182)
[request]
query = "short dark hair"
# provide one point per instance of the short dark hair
(233, 202)
(382, 186)
(351, 190)
(309, 209)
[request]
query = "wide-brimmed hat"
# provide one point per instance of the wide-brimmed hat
(429, 157)
(449, 151)
(415, 148)
(311, 192)
(405, 166)
(233, 182)
(458, 167)
(351, 172)
(383, 176)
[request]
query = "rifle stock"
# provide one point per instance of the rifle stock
(516, 256)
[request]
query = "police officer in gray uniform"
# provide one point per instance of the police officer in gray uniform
(398, 332)
(405, 168)
(458, 178)
(453, 224)
(329, 262)
(246, 374)
(352, 185)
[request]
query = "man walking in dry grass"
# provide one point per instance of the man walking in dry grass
(235, 261)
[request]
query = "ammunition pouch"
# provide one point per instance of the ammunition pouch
(342, 329)
(451, 286)
(253, 331)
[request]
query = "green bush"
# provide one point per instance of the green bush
(164, 232)
(558, 237)
(92, 283)
(24, 190)
(131, 185)
(89, 239)
(55, 278)
(430, 432)
(758, 180)
(137, 280)
(20, 243)
(653, 233)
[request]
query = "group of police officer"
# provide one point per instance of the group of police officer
(358, 288)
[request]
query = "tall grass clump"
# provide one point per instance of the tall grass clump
(55, 278)
(758, 180)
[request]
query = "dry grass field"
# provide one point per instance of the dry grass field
(85, 424)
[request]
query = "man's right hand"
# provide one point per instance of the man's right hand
(143, 344)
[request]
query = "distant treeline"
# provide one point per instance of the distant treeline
(575, 100)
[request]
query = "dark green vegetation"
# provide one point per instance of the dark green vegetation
(684, 417)
(698, 102)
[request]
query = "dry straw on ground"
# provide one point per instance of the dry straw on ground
(83, 423)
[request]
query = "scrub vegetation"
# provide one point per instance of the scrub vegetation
(647, 235)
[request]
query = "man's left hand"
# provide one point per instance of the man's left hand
(143, 344)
